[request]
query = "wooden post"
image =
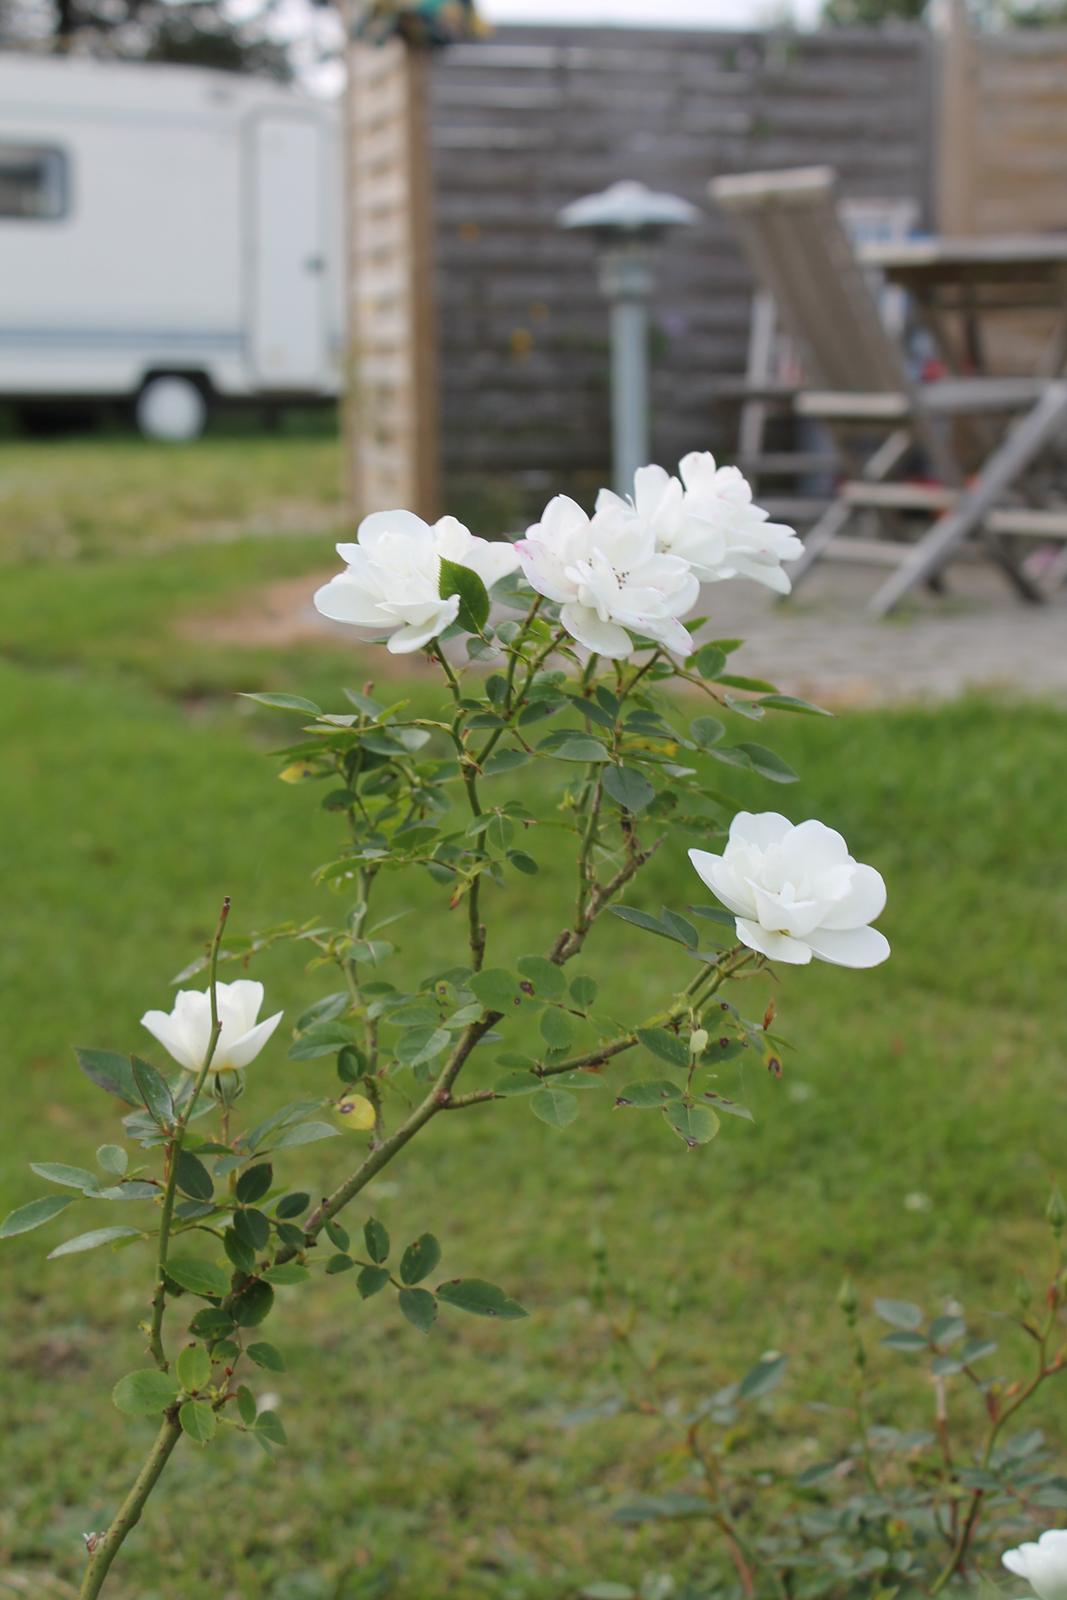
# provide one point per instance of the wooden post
(391, 428)
(957, 126)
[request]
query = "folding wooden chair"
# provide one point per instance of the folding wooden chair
(861, 389)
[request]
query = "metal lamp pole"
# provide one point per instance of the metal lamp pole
(627, 221)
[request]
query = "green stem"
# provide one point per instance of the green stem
(174, 1147)
(437, 1100)
(107, 1547)
(727, 967)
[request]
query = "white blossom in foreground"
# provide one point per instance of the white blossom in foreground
(659, 503)
(796, 892)
(185, 1032)
(608, 578)
(1043, 1565)
(392, 581)
(719, 500)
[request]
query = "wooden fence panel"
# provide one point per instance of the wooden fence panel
(537, 116)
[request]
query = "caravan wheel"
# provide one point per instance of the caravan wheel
(171, 408)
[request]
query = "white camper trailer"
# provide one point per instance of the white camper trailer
(167, 235)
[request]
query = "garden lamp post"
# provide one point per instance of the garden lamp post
(627, 221)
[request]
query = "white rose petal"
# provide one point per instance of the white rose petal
(1043, 1565)
(796, 892)
(608, 576)
(724, 534)
(391, 583)
(185, 1032)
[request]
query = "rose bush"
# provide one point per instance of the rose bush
(562, 665)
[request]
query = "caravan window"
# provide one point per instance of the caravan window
(33, 182)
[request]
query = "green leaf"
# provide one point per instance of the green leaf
(269, 1426)
(322, 1039)
(34, 1214)
(420, 1308)
(287, 1273)
(473, 611)
(292, 1205)
(376, 1238)
(253, 1305)
(523, 863)
(145, 1393)
(267, 1356)
(239, 1252)
(198, 1421)
(372, 1280)
(252, 1228)
(667, 1046)
(496, 989)
(194, 1367)
(763, 1377)
(557, 1107)
(905, 1340)
(481, 1299)
(683, 931)
(643, 919)
(92, 1241)
(629, 788)
(419, 1259)
(336, 1234)
(514, 1083)
(584, 992)
(693, 1124)
(789, 702)
(339, 1263)
(708, 661)
(153, 1089)
(304, 1133)
(211, 1322)
(111, 1072)
(574, 747)
(254, 1183)
(69, 1177)
(192, 1177)
(112, 1158)
(557, 1030)
(707, 731)
(246, 1405)
(899, 1314)
(198, 1276)
(766, 763)
(547, 979)
(285, 702)
(644, 1096)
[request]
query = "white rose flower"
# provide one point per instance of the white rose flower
(185, 1032)
(608, 578)
(392, 581)
(719, 499)
(796, 892)
(660, 503)
(1043, 1565)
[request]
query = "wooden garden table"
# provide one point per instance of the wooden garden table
(957, 284)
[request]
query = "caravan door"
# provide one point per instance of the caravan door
(288, 334)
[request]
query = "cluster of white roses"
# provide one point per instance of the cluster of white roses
(634, 567)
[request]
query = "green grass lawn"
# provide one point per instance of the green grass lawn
(909, 1142)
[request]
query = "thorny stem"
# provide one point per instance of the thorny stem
(106, 1547)
(174, 1147)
